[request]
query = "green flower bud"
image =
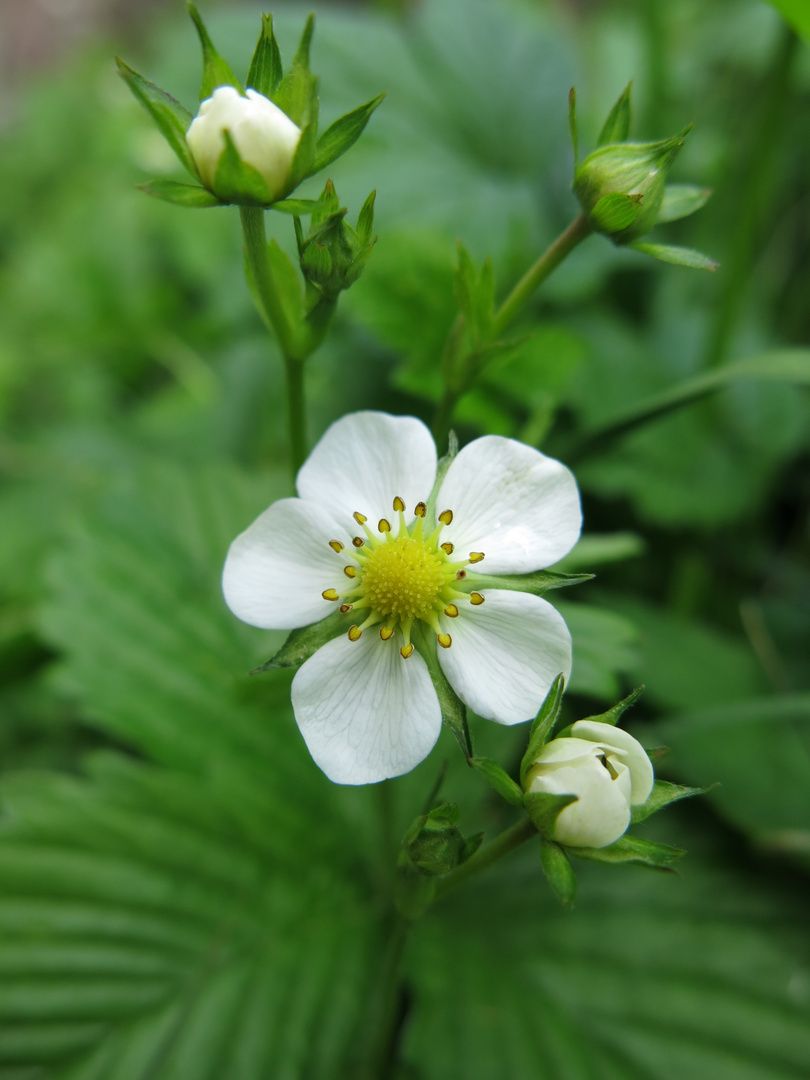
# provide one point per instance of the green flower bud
(334, 254)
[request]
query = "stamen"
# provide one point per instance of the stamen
(476, 556)
(345, 607)
(460, 575)
(444, 640)
(336, 545)
(361, 519)
(446, 516)
(406, 650)
(383, 526)
(350, 571)
(330, 594)
(476, 598)
(399, 505)
(386, 632)
(448, 549)
(451, 611)
(358, 541)
(420, 509)
(354, 633)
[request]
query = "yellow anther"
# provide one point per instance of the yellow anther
(420, 509)
(460, 575)
(476, 598)
(354, 633)
(386, 632)
(451, 611)
(350, 571)
(399, 505)
(358, 541)
(336, 545)
(406, 650)
(344, 608)
(448, 549)
(330, 594)
(446, 516)
(361, 519)
(476, 556)
(444, 640)
(383, 526)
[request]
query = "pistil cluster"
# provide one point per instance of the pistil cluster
(398, 577)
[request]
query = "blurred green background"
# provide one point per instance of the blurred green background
(182, 894)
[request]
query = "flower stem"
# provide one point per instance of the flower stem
(296, 413)
(385, 1020)
(502, 845)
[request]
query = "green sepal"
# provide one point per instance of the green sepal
(681, 200)
(475, 296)
(544, 809)
(296, 94)
(365, 219)
(296, 207)
(265, 68)
(558, 870)
(632, 849)
(216, 71)
(617, 711)
(343, 134)
(538, 583)
(662, 794)
(288, 284)
(617, 126)
(441, 471)
(615, 212)
(333, 254)
(172, 118)
(304, 157)
(542, 725)
(454, 712)
(303, 643)
(435, 845)
(572, 124)
(500, 780)
(238, 182)
(190, 195)
(680, 256)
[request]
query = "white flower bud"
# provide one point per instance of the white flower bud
(264, 137)
(606, 768)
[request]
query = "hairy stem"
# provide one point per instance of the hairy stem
(502, 845)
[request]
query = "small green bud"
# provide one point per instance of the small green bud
(434, 845)
(333, 254)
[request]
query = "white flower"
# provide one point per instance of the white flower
(263, 136)
(606, 768)
(358, 537)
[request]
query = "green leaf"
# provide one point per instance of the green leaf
(616, 128)
(596, 550)
(605, 649)
(615, 211)
(172, 118)
(265, 67)
(632, 849)
(181, 194)
(796, 13)
(287, 282)
(343, 134)
(544, 809)
(695, 260)
(538, 583)
(614, 714)
(500, 780)
(542, 726)
(216, 72)
(559, 871)
(475, 297)
(663, 793)
(305, 642)
(681, 200)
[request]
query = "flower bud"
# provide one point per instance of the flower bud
(606, 768)
(264, 138)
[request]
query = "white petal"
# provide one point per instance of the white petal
(516, 505)
(364, 460)
(365, 713)
(632, 752)
(602, 812)
(278, 567)
(506, 654)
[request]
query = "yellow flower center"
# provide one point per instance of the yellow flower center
(403, 579)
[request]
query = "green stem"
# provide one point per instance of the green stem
(485, 857)
(296, 413)
(385, 1019)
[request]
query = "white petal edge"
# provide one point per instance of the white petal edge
(364, 460)
(518, 506)
(634, 755)
(365, 713)
(505, 654)
(276, 570)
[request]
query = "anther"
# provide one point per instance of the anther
(399, 505)
(383, 526)
(386, 632)
(444, 640)
(406, 650)
(330, 594)
(448, 549)
(460, 575)
(446, 516)
(350, 571)
(476, 556)
(344, 608)
(420, 509)
(358, 541)
(361, 519)
(476, 598)
(336, 545)
(451, 611)
(354, 633)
